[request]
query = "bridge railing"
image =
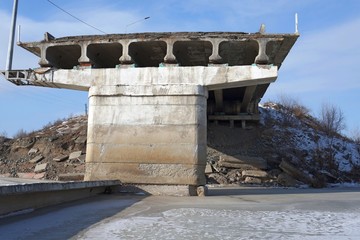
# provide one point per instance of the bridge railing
(28, 77)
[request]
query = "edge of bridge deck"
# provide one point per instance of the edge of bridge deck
(23, 194)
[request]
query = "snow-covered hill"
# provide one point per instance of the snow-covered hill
(294, 146)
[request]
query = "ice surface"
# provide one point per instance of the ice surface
(199, 223)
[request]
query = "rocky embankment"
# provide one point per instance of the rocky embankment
(56, 152)
(281, 150)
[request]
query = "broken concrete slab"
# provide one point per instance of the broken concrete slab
(81, 140)
(257, 162)
(60, 158)
(254, 173)
(219, 178)
(33, 151)
(82, 158)
(237, 166)
(40, 168)
(37, 159)
(208, 169)
(75, 155)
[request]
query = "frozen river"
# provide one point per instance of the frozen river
(229, 213)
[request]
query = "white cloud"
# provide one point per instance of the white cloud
(326, 60)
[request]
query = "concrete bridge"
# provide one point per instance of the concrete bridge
(151, 94)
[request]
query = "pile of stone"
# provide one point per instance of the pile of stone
(241, 169)
(41, 168)
(56, 152)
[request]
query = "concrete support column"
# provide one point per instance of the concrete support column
(43, 62)
(125, 57)
(170, 57)
(84, 59)
(147, 134)
(262, 57)
(215, 58)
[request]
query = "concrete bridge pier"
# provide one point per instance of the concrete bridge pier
(147, 134)
(151, 94)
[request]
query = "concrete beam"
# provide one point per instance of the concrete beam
(216, 77)
(219, 100)
(249, 93)
(35, 195)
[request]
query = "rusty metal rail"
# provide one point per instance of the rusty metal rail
(30, 77)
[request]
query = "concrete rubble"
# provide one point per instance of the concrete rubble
(40, 168)
(75, 155)
(60, 158)
(36, 159)
(46, 152)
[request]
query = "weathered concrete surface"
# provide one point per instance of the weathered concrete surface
(150, 93)
(157, 135)
(161, 190)
(22, 194)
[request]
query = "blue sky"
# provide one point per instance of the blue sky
(321, 68)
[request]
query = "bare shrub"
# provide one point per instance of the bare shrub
(291, 108)
(3, 134)
(332, 119)
(56, 122)
(355, 135)
(21, 133)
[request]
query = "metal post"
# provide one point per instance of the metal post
(18, 35)
(11, 37)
